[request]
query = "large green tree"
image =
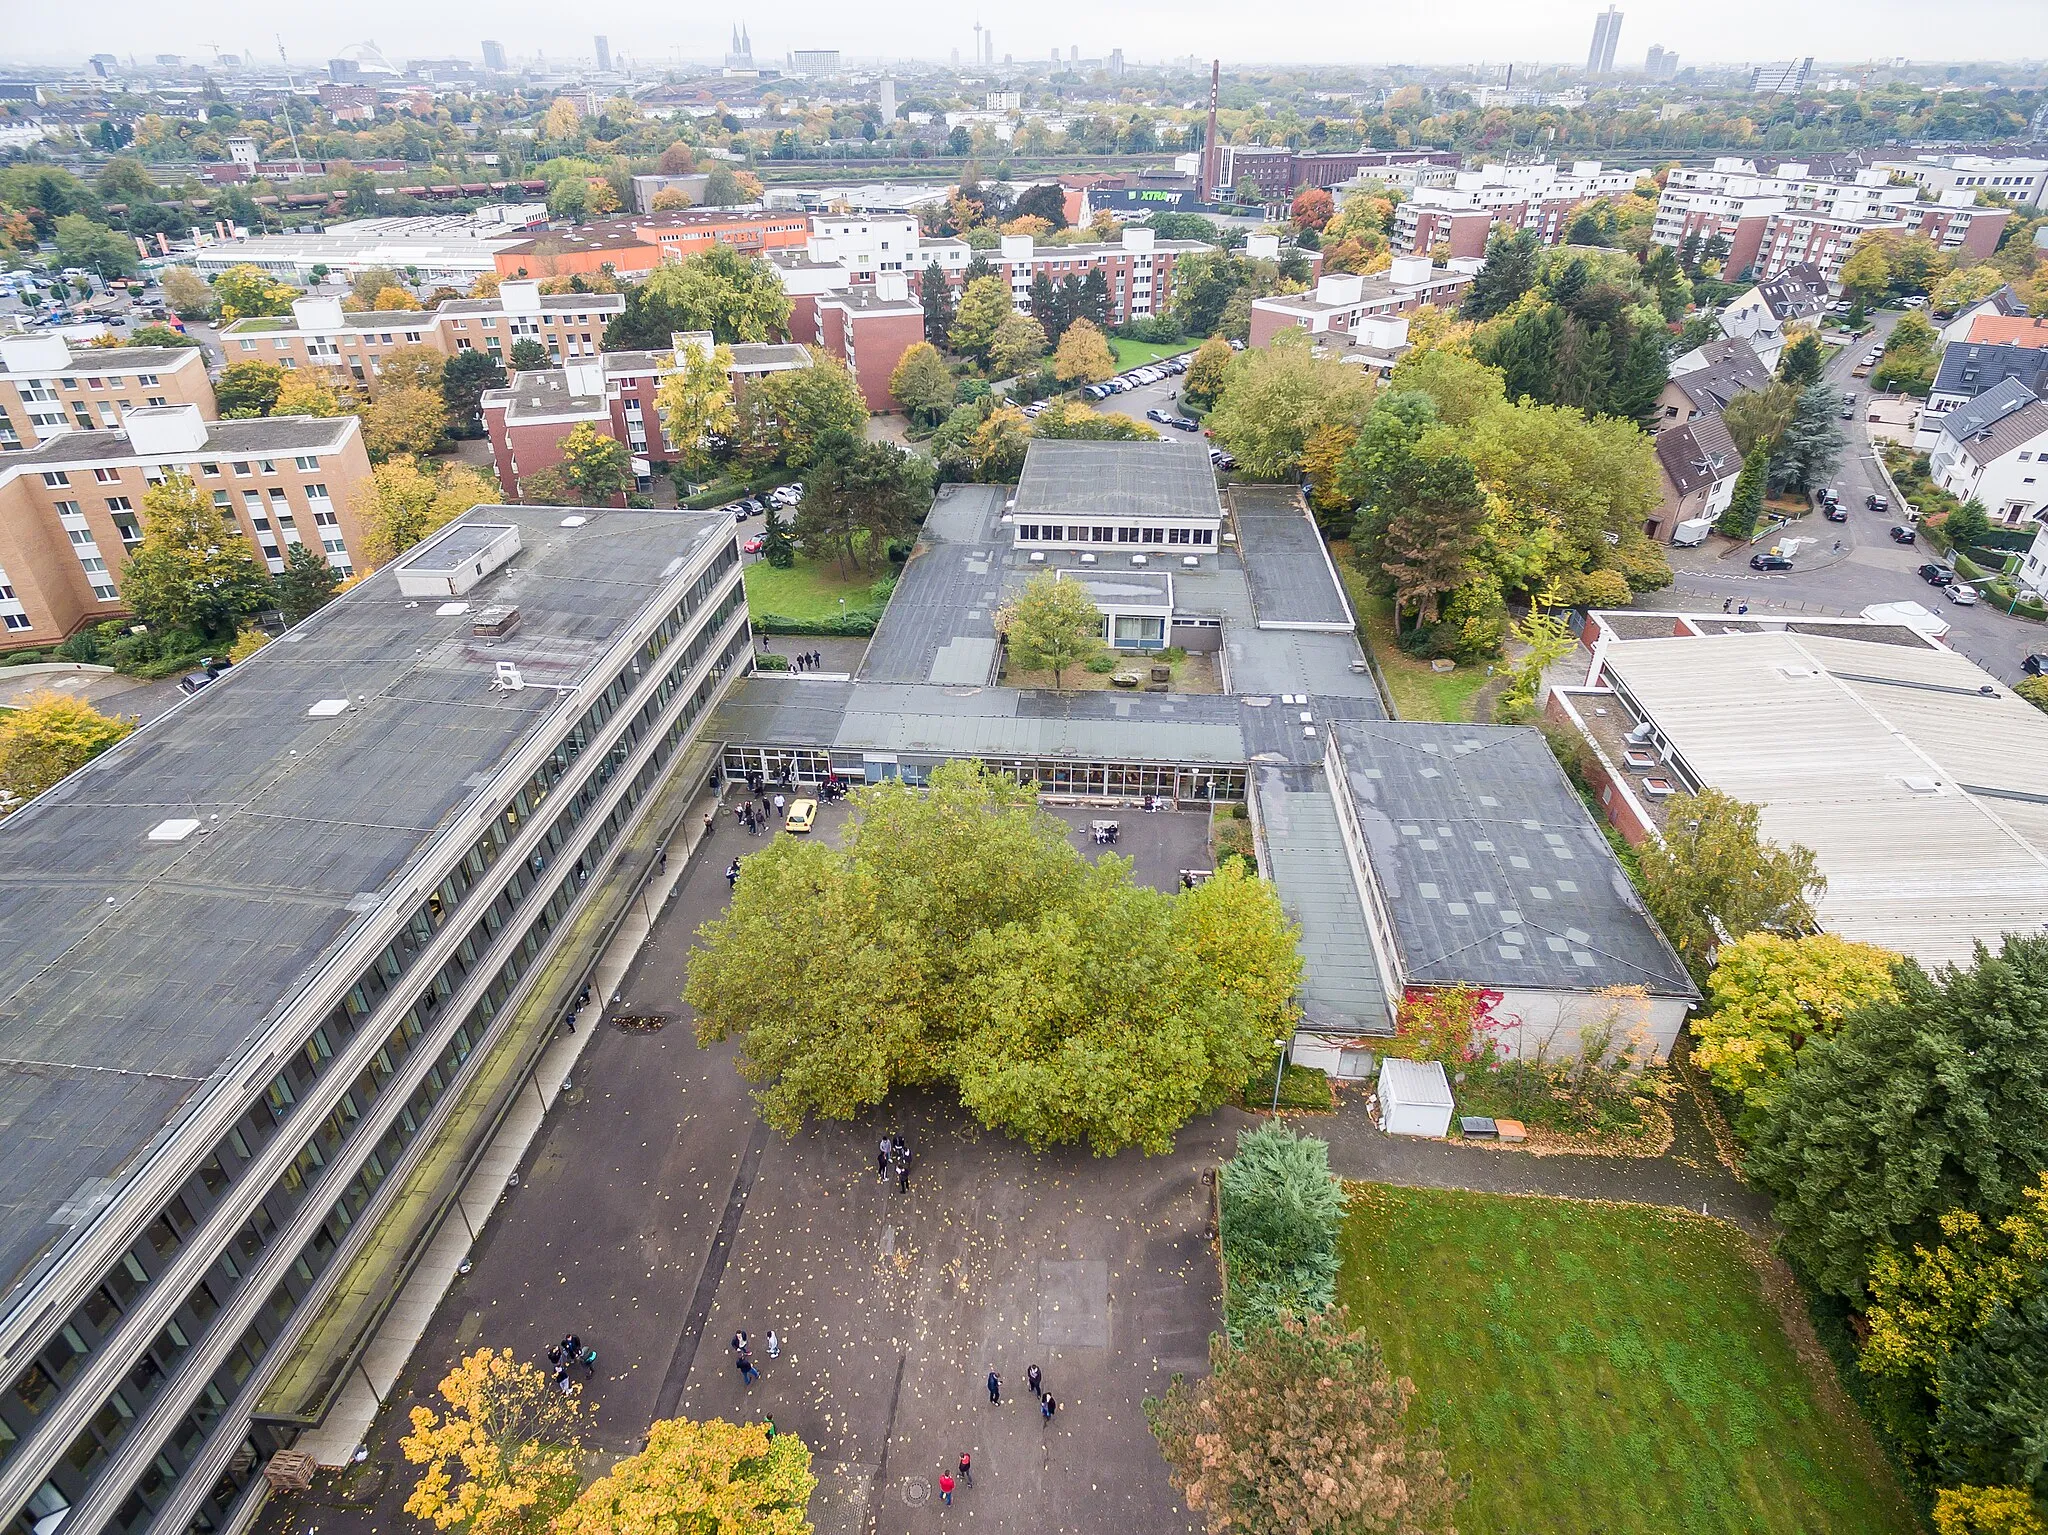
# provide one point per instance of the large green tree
(1746, 504)
(1508, 272)
(247, 389)
(958, 939)
(1712, 878)
(1933, 1101)
(191, 572)
(1431, 534)
(782, 416)
(1051, 625)
(1281, 1214)
(858, 496)
(463, 382)
(936, 295)
(307, 582)
(1277, 397)
(736, 297)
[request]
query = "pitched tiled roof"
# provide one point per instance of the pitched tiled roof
(1970, 368)
(2009, 432)
(1987, 409)
(1698, 454)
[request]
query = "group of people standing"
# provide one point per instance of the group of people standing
(569, 1352)
(806, 661)
(742, 1347)
(893, 1155)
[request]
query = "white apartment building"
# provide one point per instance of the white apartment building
(2022, 182)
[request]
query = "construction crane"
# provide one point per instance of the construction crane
(289, 86)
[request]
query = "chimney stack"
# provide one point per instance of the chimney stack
(1212, 159)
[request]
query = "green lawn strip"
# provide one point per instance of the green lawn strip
(807, 590)
(1135, 354)
(1420, 693)
(1604, 1367)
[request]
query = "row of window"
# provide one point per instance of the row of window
(242, 469)
(36, 1388)
(1086, 533)
(110, 1425)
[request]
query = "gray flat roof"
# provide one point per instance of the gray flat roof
(947, 593)
(1113, 480)
(135, 974)
(1491, 865)
(258, 438)
(1342, 989)
(1292, 580)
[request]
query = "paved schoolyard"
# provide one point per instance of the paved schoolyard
(655, 1216)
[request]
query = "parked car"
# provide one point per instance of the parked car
(1160, 416)
(1936, 575)
(1876, 503)
(1903, 535)
(1961, 593)
(753, 545)
(1849, 410)
(1095, 392)
(740, 511)
(1916, 302)
(2035, 665)
(803, 815)
(1834, 511)
(1769, 562)
(1183, 424)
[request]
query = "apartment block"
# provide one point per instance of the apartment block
(614, 393)
(2022, 182)
(635, 243)
(1465, 214)
(1370, 311)
(319, 333)
(48, 386)
(70, 508)
(1788, 217)
(869, 328)
(1280, 172)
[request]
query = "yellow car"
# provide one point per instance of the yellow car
(803, 814)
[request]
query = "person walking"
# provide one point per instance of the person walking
(966, 1469)
(746, 1368)
(740, 1341)
(903, 1173)
(770, 1426)
(774, 1345)
(995, 1387)
(1036, 1382)
(1047, 1407)
(882, 1156)
(732, 875)
(590, 1364)
(945, 1489)
(780, 804)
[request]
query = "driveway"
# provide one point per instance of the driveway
(1868, 568)
(1164, 395)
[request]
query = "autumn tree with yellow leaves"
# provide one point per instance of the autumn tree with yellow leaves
(503, 1459)
(734, 1478)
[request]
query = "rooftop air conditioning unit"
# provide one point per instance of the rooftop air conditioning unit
(1191, 561)
(1137, 559)
(1087, 559)
(1638, 734)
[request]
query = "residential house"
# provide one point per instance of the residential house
(2000, 304)
(1994, 450)
(1698, 464)
(2009, 330)
(1705, 379)
(1968, 370)
(1796, 296)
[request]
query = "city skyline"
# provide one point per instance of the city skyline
(1993, 29)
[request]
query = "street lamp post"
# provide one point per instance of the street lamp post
(1279, 1070)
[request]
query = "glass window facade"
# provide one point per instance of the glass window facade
(390, 1100)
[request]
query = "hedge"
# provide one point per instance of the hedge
(853, 623)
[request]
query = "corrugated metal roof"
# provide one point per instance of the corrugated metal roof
(1891, 763)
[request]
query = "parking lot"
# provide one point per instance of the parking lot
(656, 1216)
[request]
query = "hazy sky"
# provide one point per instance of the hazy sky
(1270, 30)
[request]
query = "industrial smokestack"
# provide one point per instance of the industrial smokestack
(1212, 157)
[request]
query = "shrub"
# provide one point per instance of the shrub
(1281, 1210)
(24, 658)
(1102, 665)
(770, 661)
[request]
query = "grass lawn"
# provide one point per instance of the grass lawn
(1606, 1368)
(807, 590)
(1135, 354)
(1420, 693)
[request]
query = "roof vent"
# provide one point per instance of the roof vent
(1038, 556)
(327, 708)
(1190, 560)
(451, 610)
(573, 522)
(173, 831)
(1638, 734)
(1230, 538)
(1921, 785)
(1308, 732)
(1137, 559)
(1087, 559)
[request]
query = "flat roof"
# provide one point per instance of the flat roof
(138, 973)
(1914, 776)
(114, 359)
(1491, 867)
(1291, 577)
(258, 437)
(1112, 480)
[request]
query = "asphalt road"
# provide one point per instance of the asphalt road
(1869, 568)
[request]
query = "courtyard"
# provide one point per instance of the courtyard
(656, 1216)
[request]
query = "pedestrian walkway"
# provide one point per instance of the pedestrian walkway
(1687, 1177)
(664, 854)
